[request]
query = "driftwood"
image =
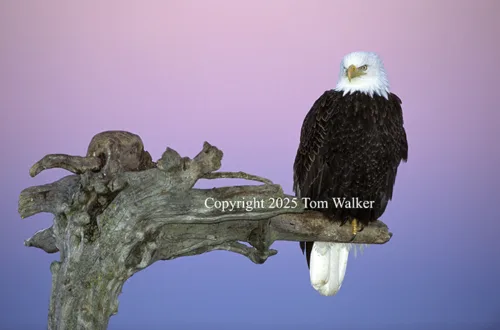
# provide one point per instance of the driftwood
(120, 212)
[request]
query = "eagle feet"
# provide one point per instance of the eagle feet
(356, 228)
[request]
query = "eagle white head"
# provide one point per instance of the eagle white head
(363, 72)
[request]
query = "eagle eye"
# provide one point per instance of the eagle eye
(364, 67)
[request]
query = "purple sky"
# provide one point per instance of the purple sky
(242, 75)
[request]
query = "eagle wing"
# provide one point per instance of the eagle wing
(398, 129)
(310, 168)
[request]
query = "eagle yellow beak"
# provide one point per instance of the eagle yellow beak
(352, 72)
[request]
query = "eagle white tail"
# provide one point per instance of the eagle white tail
(327, 267)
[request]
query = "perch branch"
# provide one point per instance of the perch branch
(74, 164)
(314, 226)
(256, 256)
(236, 175)
(53, 197)
(122, 212)
(43, 239)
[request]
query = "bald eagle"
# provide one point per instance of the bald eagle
(351, 144)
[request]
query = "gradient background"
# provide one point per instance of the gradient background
(242, 75)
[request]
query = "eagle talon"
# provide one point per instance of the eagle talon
(353, 237)
(354, 226)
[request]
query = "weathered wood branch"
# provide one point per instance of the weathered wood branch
(122, 212)
(74, 164)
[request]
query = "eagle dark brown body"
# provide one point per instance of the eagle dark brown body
(350, 147)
